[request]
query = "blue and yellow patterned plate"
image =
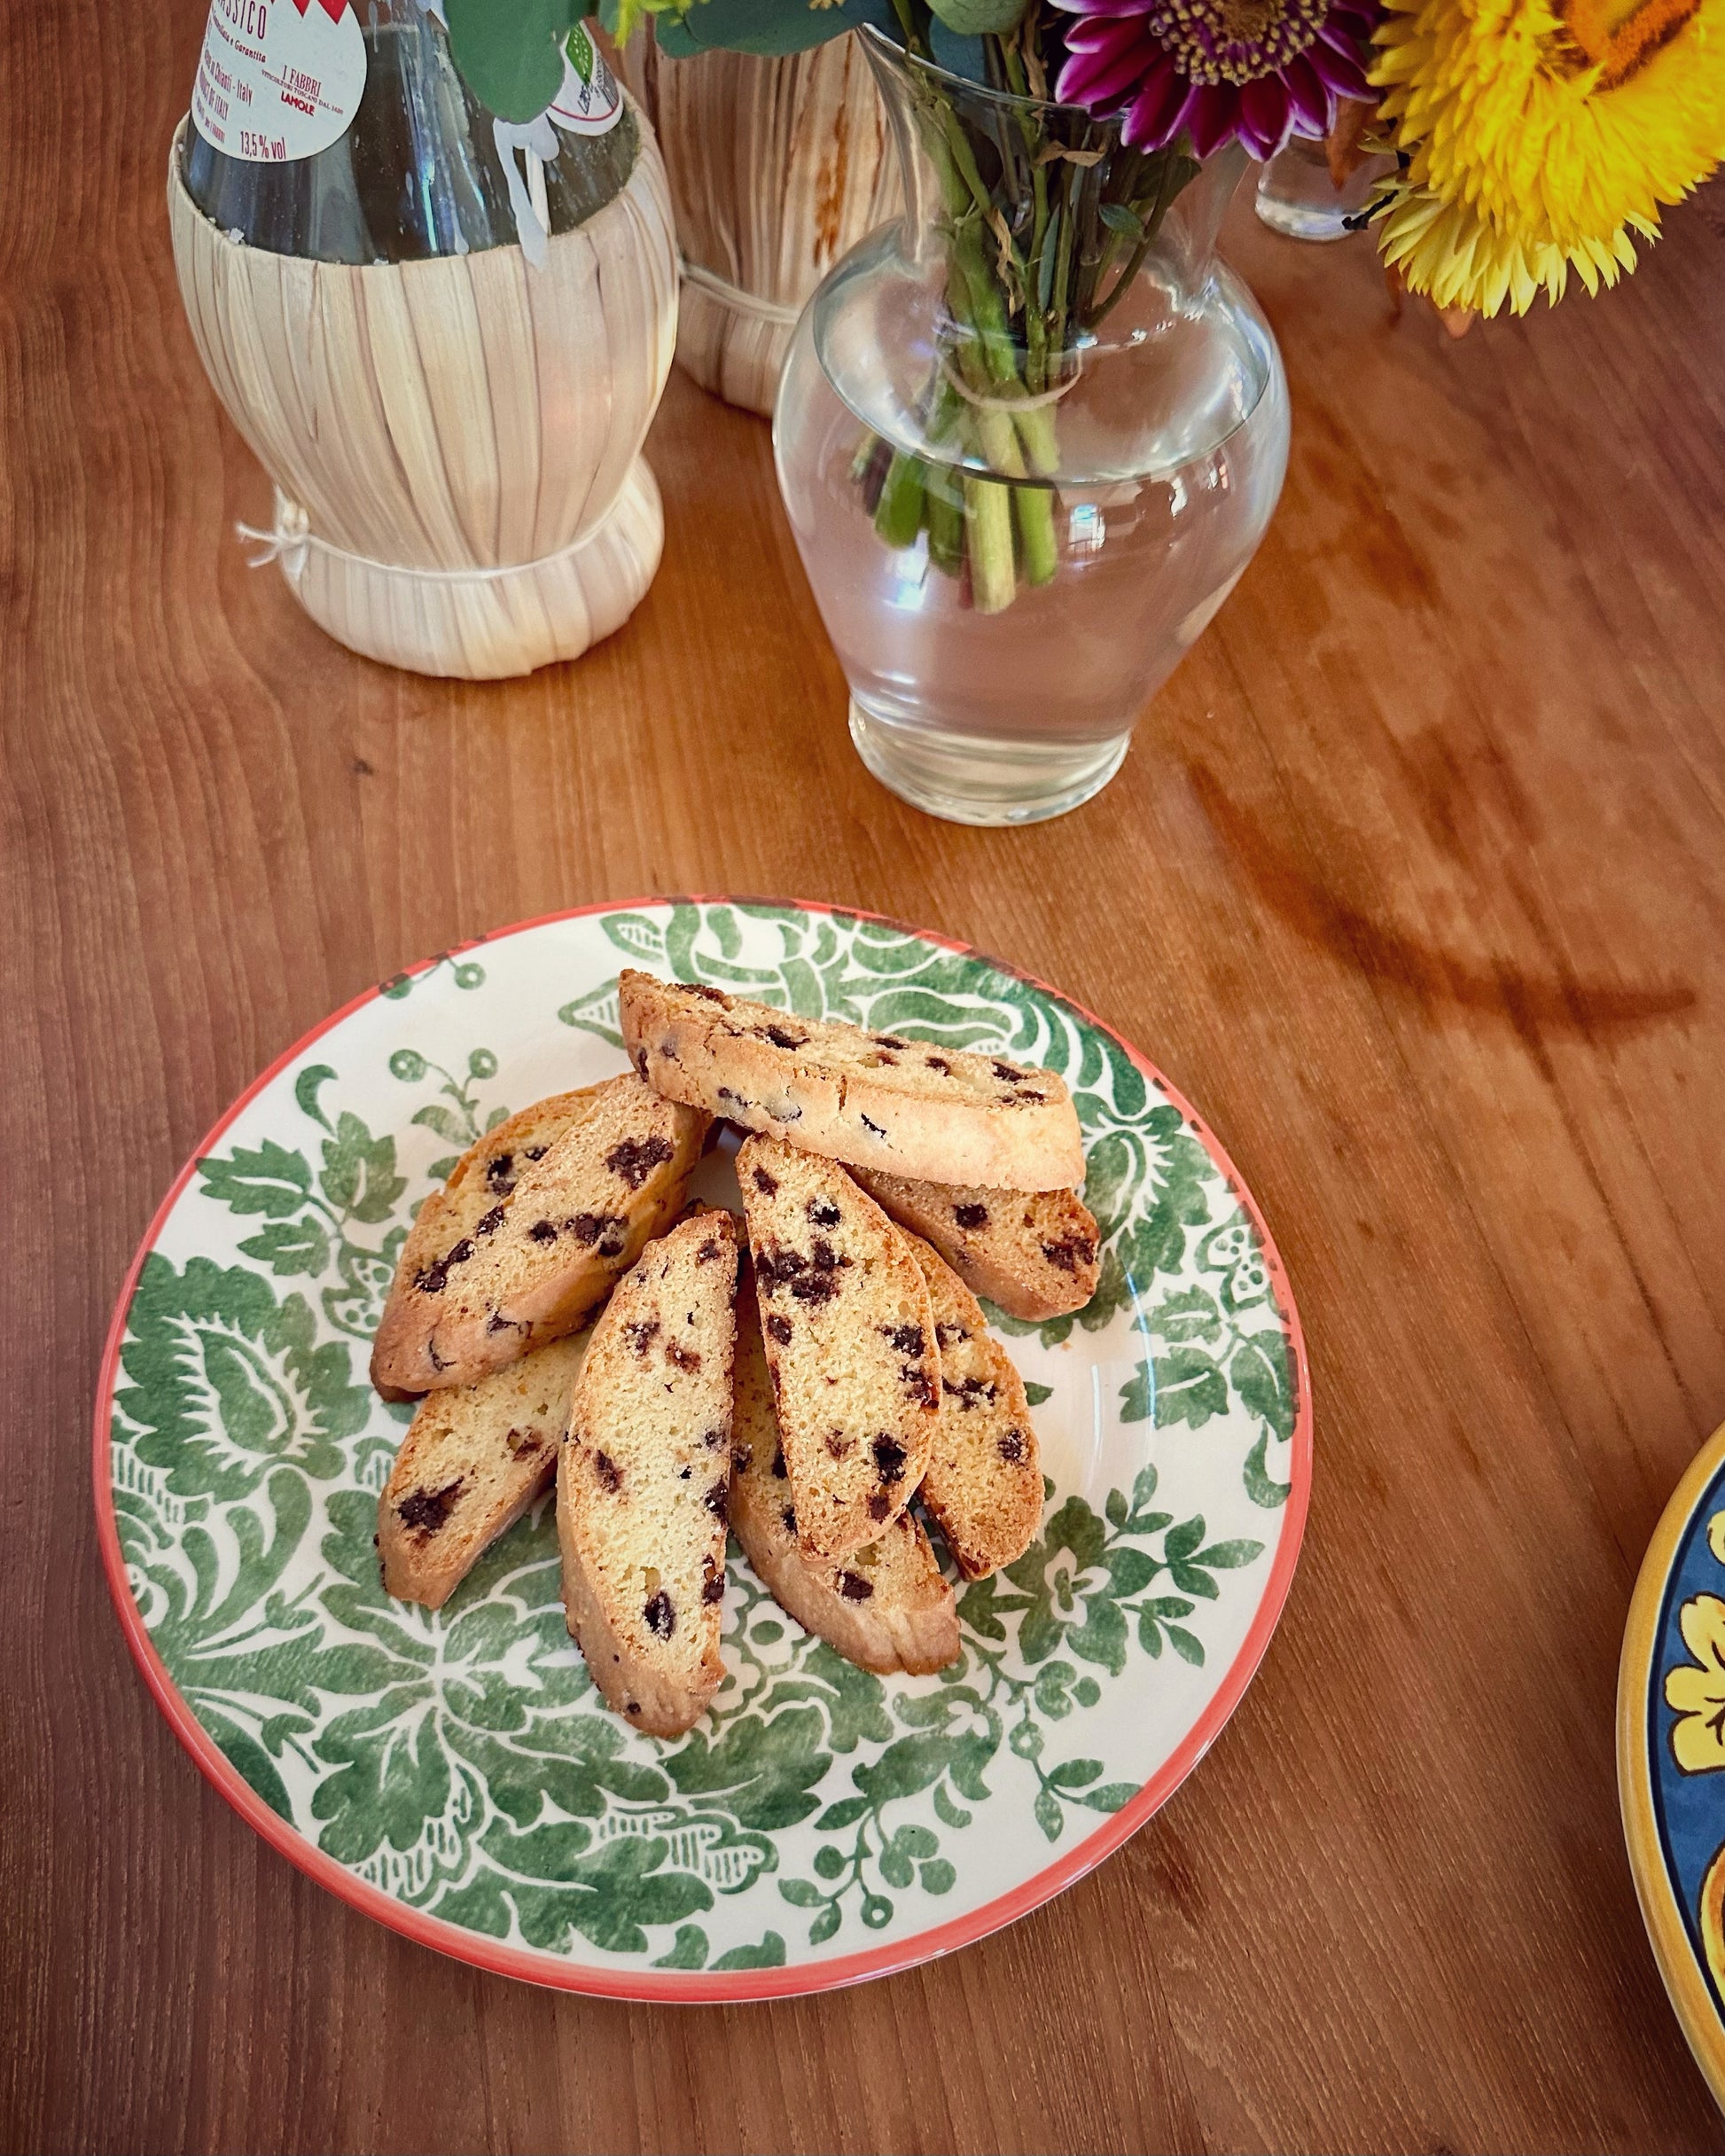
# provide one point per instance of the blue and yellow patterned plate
(1671, 1752)
(452, 1772)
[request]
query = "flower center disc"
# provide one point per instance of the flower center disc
(1619, 41)
(1237, 41)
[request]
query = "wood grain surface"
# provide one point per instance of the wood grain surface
(1415, 881)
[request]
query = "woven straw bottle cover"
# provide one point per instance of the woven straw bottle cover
(454, 440)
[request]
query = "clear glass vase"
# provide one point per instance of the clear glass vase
(1027, 438)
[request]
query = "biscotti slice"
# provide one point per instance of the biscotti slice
(1034, 1253)
(850, 1342)
(535, 1224)
(870, 1098)
(886, 1606)
(643, 1478)
(984, 1484)
(473, 1460)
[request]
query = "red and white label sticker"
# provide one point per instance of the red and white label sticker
(278, 79)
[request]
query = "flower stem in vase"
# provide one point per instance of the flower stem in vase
(1046, 220)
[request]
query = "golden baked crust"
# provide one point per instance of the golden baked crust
(984, 1484)
(475, 1458)
(873, 1100)
(1033, 1254)
(533, 1227)
(643, 1478)
(850, 1342)
(886, 1606)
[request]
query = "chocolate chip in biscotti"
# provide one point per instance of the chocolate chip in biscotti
(971, 1216)
(490, 1222)
(435, 1277)
(632, 1160)
(889, 1458)
(854, 1587)
(765, 1183)
(1010, 1445)
(644, 1566)
(858, 1367)
(590, 1228)
(425, 1511)
(919, 1385)
(608, 1471)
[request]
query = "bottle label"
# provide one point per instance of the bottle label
(590, 102)
(278, 79)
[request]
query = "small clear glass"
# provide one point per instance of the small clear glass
(1296, 194)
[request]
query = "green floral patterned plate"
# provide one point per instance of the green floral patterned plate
(453, 1773)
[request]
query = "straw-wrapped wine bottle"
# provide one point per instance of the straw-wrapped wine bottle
(443, 335)
(778, 166)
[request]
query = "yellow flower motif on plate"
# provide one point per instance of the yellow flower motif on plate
(1716, 1535)
(1698, 1693)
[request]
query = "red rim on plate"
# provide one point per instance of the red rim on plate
(689, 1986)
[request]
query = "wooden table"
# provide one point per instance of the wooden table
(1415, 881)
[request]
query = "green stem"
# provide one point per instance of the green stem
(899, 512)
(980, 305)
(988, 525)
(1033, 506)
(946, 520)
(1036, 323)
(1150, 217)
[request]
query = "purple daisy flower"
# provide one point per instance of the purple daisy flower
(1255, 71)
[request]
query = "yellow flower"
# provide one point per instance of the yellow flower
(1699, 1695)
(1716, 1535)
(1540, 134)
